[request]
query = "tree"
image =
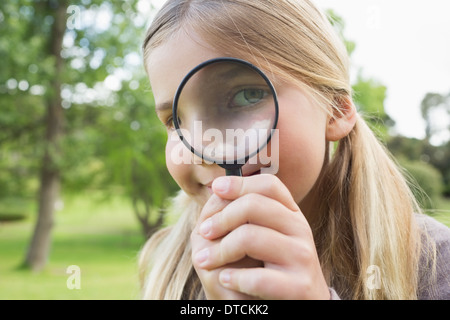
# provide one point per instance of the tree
(368, 94)
(28, 22)
(75, 95)
(435, 105)
(132, 150)
(339, 26)
(119, 132)
(414, 150)
(49, 191)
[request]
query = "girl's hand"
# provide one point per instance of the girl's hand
(210, 278)
(252, 240)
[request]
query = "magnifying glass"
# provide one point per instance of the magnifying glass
(225, 111)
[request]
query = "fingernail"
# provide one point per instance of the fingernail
(221, 184)
(225, 277)
(202, 255)
(205, 227)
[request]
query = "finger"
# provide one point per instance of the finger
(212, 206)
(255, 209)
(256, 242)
(198, 243)
(264, 283)
(232, 187)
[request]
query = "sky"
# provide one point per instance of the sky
(404, 45)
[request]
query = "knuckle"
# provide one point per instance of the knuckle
(305, 285)
(251, 284)
(303, 252)
(219, 222)
(222, 222)
(232, 246)
(251, 203)
(223, 251)
(246, 233)
(243, 209)
(243, 236)
(272, 183)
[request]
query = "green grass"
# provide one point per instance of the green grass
(103, 239)
(442, 214)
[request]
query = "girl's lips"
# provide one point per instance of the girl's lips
(209, 187)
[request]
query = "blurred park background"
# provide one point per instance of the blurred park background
(82, 170)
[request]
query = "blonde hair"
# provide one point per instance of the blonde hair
(364, 206)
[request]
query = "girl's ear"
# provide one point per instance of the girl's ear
(342, 121)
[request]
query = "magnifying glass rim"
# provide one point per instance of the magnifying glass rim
(240, 161)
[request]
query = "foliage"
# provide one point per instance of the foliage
(426, 182)
(412, 149)
(111, 138)
(339, 25)
(434, 108)
(427, 164)
(368, 94)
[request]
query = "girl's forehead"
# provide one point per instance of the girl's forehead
(182, 51)
(171, 61)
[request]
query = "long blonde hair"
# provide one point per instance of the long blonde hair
(365, 209)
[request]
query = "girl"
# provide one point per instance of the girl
(332, 222)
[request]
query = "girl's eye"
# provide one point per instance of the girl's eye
(247, 97)
(169, 122)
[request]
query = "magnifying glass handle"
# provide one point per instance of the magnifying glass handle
(234, 172)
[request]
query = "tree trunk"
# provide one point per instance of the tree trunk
(138, 196)
(49, 192)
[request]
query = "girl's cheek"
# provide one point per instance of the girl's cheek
(172, 162)
(178, 160)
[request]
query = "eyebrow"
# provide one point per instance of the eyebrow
(234, 72)
(222, 76)
(163, 106)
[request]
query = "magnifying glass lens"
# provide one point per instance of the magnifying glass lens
(225, 110)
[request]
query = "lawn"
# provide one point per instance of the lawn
(101, 238)
(443, 213)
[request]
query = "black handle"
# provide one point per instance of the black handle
(234, 172)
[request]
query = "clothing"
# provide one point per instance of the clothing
(437, 287)
(441, 286)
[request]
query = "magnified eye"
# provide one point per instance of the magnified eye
(248, 97)
(179, 121)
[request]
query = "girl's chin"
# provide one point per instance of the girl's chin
(202, 196)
